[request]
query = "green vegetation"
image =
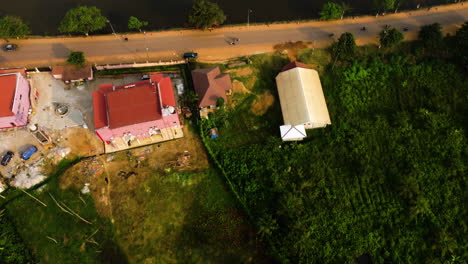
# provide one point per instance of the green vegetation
(12, 248)
(82, 19)
(76, 58)
(168, 68)
(331, 10)
(13, 27)
(345, 48)
(387, 178)
(183, 217)
(383, 5)
(135, 23)
(56, 236)
(390, 37)
(206, 14)
(461, 45)
(431, 36)
(158, 216)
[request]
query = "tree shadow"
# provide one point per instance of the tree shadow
(60, 50)
(112, 254)
(217, 235)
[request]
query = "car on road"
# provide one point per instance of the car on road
(6, 159)
(190, 55)
(9, 47)
(28, 152)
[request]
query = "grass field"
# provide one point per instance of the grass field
(384, 181)
(183, 218)
(162, 214)
(55, 236)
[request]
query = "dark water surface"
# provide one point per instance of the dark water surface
(44, 16)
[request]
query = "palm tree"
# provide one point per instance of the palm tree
(346, 8)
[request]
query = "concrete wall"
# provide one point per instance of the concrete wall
(141, 130)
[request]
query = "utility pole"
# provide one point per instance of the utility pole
(146, 46)
(248, 17)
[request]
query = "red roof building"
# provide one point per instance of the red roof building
(72, 73)
(136, 110)
(14, 100)
(294, 64)
(210, 85)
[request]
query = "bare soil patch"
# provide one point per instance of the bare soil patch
(82, 142)
(112, 177)
(243, 72)
(290, 48)
(238, 87)
(262, 103)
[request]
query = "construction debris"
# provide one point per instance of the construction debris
(183, 159)
(29, 176)
(85, 189)
(126, 175)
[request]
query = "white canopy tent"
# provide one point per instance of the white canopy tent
(301, 97)
(292, 133)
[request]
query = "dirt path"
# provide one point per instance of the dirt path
(107, 180)
(213, 45)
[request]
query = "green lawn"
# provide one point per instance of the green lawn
(183, 218)
(58, 237)
(175, 217)
(386, 179)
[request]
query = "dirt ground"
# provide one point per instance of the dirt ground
(262, 103)
(122, 172)
(239, 87)
(215, 53)
(82, 142)
(242, 72)
(291, 48)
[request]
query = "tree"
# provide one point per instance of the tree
(461, 44)
(135, 23)
(390, 37)
(76, 58)
(13, 27)
(431, 36)
(331, 10)
(266, 226)
(346, 8)
(83, 19)
(384, 5)
(206, 14)
(345, 47)
(220, 102)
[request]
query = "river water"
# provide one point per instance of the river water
(44, 16)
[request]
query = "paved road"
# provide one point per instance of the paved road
(214, 45)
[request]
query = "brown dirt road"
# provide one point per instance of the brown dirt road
(213, 46)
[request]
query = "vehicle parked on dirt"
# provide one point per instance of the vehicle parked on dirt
(190, 55)
(6, 159)
(9, 47)
(28, 152)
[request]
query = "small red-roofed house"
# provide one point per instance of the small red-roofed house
(136, 114)
(72, 73)
(210, 84)
(14, 100)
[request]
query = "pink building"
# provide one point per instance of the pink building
(138, 113)
(14, 100)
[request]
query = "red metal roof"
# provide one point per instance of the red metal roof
(210, 84)
(7, 93)
(165, 86)
(100, 111)
(132, 103)
(293, 65)
(14, 70)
